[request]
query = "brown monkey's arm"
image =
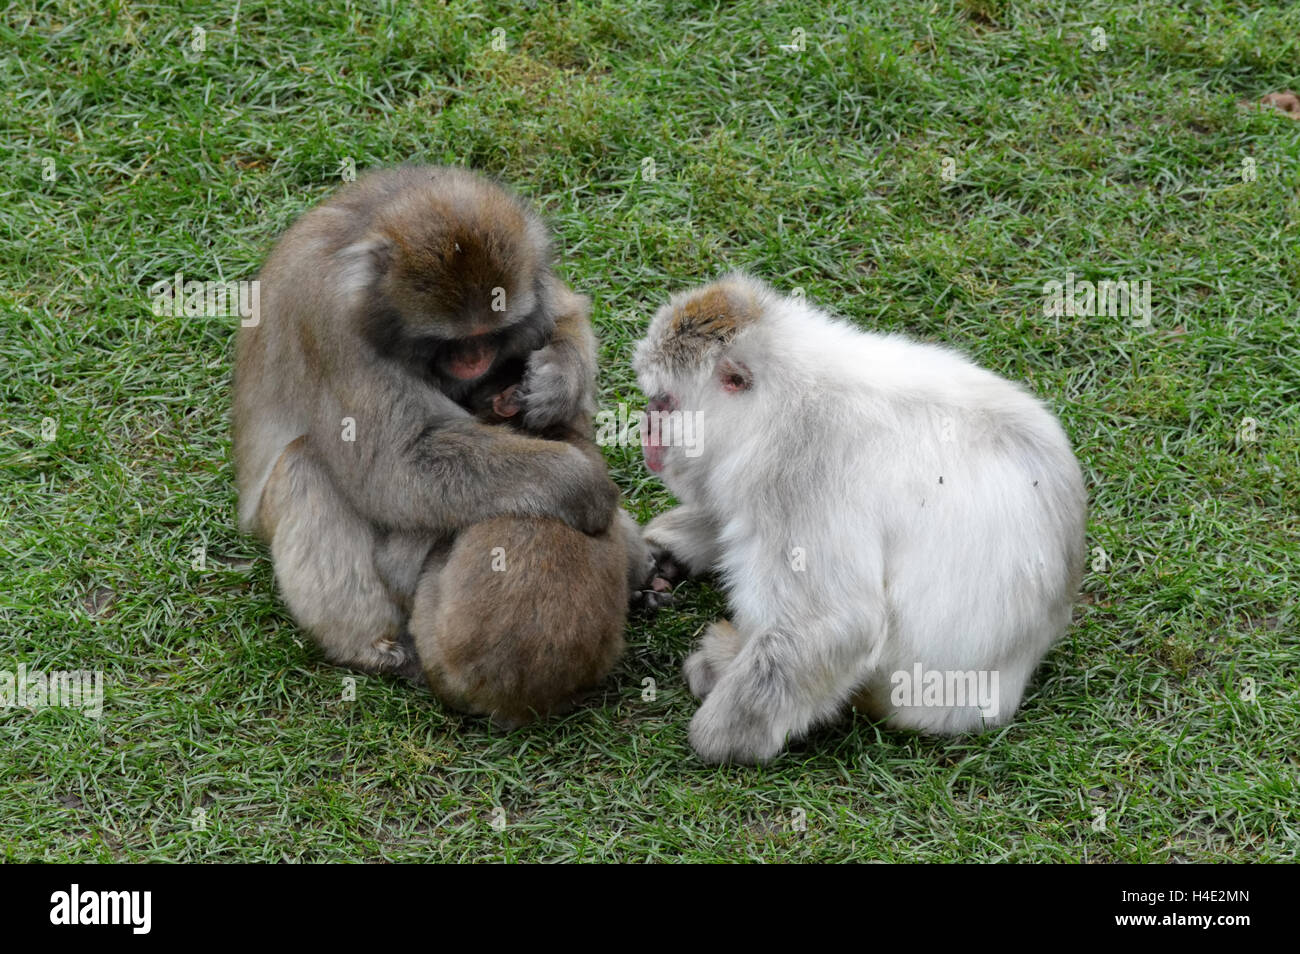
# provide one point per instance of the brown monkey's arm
(406, 456)
(560, 384)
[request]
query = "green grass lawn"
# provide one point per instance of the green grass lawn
(1165, 726)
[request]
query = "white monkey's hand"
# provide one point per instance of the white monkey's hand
(556, 387)
(683, 542)
(651, 598)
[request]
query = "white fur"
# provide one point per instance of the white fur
(836, 452)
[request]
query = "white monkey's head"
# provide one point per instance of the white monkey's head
(693, 366)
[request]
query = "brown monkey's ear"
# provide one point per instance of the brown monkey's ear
(734, 375)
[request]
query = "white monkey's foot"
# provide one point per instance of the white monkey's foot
(725, 732)
(742, 718)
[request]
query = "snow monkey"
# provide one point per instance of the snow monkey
(401, 525)
(876, 509)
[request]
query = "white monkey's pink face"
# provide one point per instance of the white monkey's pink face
(682, 365)
(652, 435)
(666, 380)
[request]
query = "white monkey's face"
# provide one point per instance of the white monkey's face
(685, 367)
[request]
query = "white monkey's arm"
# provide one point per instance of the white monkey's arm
(688, 536)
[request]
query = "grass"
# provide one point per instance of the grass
(226, 737)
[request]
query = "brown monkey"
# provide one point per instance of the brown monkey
(526, 612)
(383, 310)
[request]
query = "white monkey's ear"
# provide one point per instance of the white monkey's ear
(734, 376)
(361, 263)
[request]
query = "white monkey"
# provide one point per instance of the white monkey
(875, 508)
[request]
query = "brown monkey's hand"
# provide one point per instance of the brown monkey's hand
(590, 498)
(555, 388)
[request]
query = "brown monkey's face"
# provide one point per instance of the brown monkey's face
(457, 284)
(464, 331)
(460, 276)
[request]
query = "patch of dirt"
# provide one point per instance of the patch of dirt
(1287, 101)
(99, 602)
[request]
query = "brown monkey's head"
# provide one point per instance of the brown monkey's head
(693, 361)
(459, 267)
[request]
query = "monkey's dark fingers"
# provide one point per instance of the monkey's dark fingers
(651, 601)
(410, 667)
(667, 569)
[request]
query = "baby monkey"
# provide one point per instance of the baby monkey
(528, 612)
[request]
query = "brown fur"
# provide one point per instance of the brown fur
(525, 639)
(453, 253)
(527, 613)
(362, 300)
(1286, 101)
(711, 316)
